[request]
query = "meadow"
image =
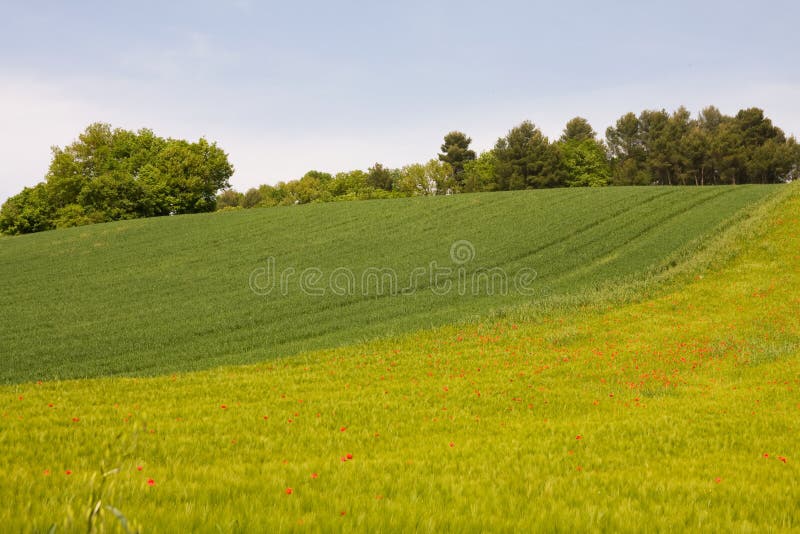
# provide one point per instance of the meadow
(162, 295)
(675, 411)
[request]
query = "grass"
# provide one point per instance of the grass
(173, 294)
(678, 412)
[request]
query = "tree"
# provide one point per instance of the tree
(379, 177)
(585, 163)
(628, 153)
(480, 174)
(526, 160)
(27, 212)
(430, 178)
(577, 129)
(110, 174)
(582, 156)
(230, 199)
(456, 152)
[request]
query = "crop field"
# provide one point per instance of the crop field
(156, 296)
(678, 411)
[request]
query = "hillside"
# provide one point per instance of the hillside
(674, 413)
(174, 293)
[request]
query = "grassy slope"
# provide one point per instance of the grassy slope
(686, 405)
(163, 295)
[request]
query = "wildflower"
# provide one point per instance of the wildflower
(350, 457)
(578, 437)
(223, 406)
(782, 459)
(46, 472)
(314, 475)
(343, 429)
(766, 455)
(139, 467)
(68, 472)
(289, 491)
(75, 419)
(718, 480)
(452, 444)
(151, 482)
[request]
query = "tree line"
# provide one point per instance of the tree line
(652, 148)
(111, 174)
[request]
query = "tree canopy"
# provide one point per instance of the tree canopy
(111, 174)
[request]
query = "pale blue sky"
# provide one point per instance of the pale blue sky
(285, 87)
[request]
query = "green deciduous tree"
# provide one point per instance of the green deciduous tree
(480, 174)
(111, 174)
(585, 163)
(431, 178)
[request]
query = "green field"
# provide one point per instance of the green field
(677, 412)
(172, 294)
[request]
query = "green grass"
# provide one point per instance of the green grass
(686, 405)
(172, 294)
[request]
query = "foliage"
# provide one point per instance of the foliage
(578, 129)
(479, 174)
(584, 162)
(456, 152)
(434, 177)
(114, 174)
(526, 159)
(674, 149)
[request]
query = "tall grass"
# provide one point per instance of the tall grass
(670, 413)
(163, 295)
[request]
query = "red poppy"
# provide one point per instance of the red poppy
(223, 406)
(718, 480)
(46, 471)
(289, 491)
(75, 419)
(151, 482)
(343, 429)
(139, 467)
(350, 457)
(578, 437)
(67, 472)
(782, 459)
(314, 475)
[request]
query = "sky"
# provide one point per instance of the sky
(286, 87)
